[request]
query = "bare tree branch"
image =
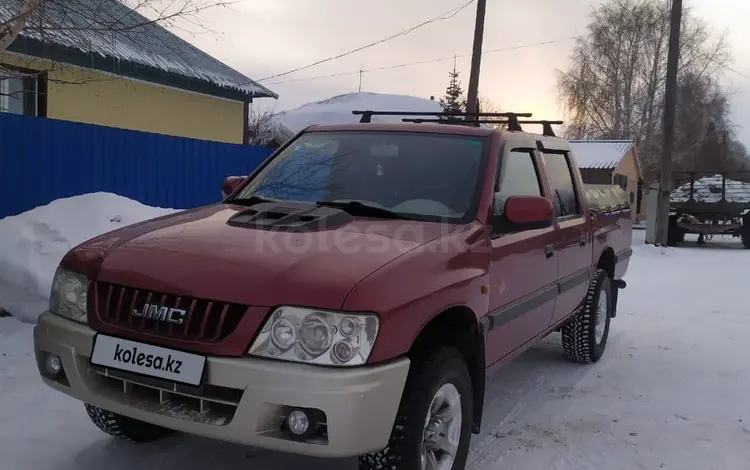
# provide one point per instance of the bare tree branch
(47, 20)
(10, 29)
(614, 86)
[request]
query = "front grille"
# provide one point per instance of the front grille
(206, 320)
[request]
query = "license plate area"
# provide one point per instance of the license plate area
(148, 360)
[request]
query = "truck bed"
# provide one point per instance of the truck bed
(603, 198)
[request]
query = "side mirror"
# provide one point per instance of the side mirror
(522, 213)
(230, 184)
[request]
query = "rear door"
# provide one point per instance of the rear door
(523, 265)
(573, 243)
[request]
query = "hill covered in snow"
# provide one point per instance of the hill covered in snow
(338, 110)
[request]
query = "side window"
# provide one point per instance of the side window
(518, 177)
(561, 180)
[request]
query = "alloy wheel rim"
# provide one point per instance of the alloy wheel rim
(442, 429)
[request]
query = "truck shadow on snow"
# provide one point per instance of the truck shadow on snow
(540, 373)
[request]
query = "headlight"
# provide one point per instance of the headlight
(317, 336)
(69, 295)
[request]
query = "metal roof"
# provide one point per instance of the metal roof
(600, 154)
(108, 36)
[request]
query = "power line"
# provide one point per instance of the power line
(444, 16)
(421, 62)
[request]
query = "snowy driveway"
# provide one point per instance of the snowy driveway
(672, 392)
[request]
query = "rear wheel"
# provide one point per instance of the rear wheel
(585, 337)
(122, 427)
(433, 426)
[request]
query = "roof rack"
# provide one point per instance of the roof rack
(367, 115)
(449, 117)
(546, 126)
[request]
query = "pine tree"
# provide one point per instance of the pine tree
(454, 100)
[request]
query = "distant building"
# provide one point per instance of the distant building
(139, 77)
(612, 162)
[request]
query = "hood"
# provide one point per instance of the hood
(203, 254)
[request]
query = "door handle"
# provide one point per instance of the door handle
(549, 251)
(582, 241)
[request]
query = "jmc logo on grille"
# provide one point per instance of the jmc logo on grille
(161, 313)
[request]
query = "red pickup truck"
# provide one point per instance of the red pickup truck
(348, 297)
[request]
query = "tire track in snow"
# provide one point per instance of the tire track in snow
(542, 371)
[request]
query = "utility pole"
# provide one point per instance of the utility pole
(670, 104)
(360, 78)
(472, 97)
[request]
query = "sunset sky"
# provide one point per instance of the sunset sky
(262, 38)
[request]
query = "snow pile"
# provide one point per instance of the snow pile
(708, 189)
(33, 243)
(338, 110)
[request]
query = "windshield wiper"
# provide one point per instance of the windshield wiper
(250, 201)
(363, 209)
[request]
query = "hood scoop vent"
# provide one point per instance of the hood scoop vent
(290, 216)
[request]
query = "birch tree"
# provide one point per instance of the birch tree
(614, 86)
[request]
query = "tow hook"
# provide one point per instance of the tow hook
(617, 284)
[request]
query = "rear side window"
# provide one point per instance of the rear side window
(561, 180)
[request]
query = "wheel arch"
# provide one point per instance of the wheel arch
(458, 326)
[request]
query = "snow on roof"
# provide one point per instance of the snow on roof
(600, 154)
(338, 110)
(107, 29)
(708, 189)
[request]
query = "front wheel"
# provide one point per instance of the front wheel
(122, 427)
(585, 337)
(433, 426)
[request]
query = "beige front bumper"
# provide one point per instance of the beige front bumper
(360, 404)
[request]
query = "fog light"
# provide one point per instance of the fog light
(53, 365)
(298, 422)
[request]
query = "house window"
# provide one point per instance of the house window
(621, 181)
(22, 95)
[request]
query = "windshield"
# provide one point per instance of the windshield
(432, 177)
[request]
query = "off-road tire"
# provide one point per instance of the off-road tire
(578, 336)
(122, 427)
(745, 231)
(428, 373)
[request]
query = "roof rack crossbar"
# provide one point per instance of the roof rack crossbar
(367, 115)
(546, 126)
(457, 121)
(448, 117)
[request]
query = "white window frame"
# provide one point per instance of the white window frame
(4, 104)
(5, 98)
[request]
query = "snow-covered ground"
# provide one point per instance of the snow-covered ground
(670, 393)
